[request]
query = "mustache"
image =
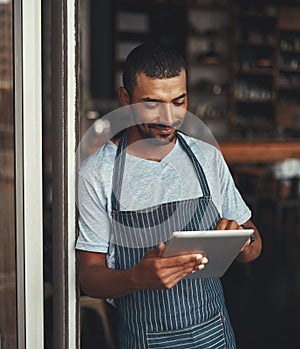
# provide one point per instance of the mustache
(175, 124)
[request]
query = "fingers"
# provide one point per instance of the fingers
(156, 272)
(186, 260)
(180, 266)
(172, 275)
(227, 224)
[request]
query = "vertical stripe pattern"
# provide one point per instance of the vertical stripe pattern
(190, 315)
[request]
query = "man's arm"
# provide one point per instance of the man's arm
(152, 272)
(250, 251)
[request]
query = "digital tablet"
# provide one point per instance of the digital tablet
(220, 247)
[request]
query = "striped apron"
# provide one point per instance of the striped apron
(192, 314)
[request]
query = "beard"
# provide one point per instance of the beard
(157, 134)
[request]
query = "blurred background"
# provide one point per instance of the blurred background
(244, 84)
(244, 65)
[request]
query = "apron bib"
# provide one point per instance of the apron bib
(193, 313)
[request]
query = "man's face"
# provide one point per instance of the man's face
(159, 106)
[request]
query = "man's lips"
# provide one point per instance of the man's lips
(163, 127)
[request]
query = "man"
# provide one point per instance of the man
(132, 190)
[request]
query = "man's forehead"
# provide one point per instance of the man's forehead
(142, 75)
(144, 82)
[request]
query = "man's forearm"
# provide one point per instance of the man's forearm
(102, 282)
(152, 272)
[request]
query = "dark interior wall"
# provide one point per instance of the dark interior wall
(102, 53)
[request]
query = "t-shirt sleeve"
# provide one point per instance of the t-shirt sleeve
(233, 205)
(93, 220)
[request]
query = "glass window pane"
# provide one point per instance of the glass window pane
(8, 321)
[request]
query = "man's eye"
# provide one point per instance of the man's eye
(151, 105)
(178, 104)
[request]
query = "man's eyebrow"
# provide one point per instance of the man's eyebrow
(149, 99)
(179, 97)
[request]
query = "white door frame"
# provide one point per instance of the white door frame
(29, 202)
(28, 149)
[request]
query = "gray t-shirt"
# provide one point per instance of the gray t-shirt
(147, 183)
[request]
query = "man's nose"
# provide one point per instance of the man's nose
(167, 114)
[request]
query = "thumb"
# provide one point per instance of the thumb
(246, 245)
(160, 249)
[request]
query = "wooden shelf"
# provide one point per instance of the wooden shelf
(253, 44)
(256, 71)
(287, 69)
(289, 87)
(290, 51)
(259, 152)
(255, 100)
(257, 15)
(210, 60)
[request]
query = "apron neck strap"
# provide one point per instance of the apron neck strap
(119, 166)
(118, 172)
(198, 168)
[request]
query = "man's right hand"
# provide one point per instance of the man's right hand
(157, 272)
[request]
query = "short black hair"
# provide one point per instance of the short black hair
(155, 61)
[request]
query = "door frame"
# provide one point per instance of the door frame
(64, 82)
(28, 170)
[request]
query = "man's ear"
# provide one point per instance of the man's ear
(124, 96)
